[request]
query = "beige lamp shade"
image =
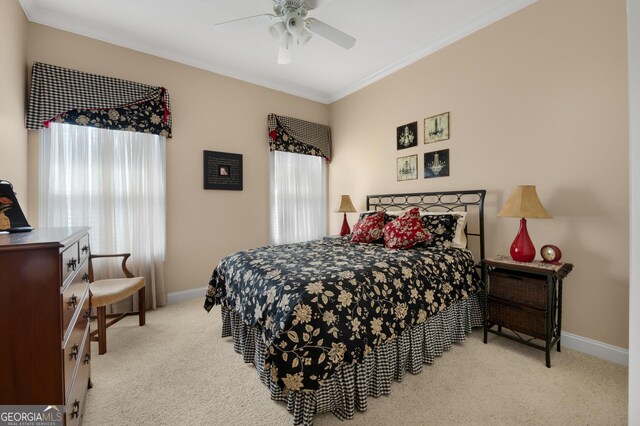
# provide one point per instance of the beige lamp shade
(524, 202)
(346, 206)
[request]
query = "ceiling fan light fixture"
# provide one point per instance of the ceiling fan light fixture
(277, 30)
(284, 54)
(304, 37)
(293, 23)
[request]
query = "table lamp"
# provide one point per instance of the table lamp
(346, 206)
(523, 202)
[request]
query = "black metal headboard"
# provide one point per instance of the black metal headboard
(471, 202)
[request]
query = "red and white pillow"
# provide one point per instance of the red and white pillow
(368, 229)
(406, 231)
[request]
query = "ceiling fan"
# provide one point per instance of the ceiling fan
(292, 26)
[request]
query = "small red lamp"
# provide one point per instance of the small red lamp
(523, 202)
(346, 206)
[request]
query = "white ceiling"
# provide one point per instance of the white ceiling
(391, 34)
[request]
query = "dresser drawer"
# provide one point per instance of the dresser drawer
(518, 318)
(84, 248)
(72, 296)
(521, 289)
(76, 401)
(70, 262)
(72, 350)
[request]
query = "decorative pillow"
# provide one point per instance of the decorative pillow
(368, 213)
(442, 229)
(368, 229)
(405, 231)
(388, 215)
(459, 238)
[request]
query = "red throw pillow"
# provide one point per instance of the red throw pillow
(405, 231)
(369, 229)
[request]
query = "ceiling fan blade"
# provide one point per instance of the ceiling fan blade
(330, 33)
(242, 23)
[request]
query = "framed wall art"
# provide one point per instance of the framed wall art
(407, 135)
(436, 128)
(436, 163)
(407, 167)
(222, 170)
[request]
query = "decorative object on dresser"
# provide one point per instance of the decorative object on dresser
(108, 291)
(436, 128)
(44, 306)
(523, 202)
(407, 167)
(525, 297)
(11, 217)
(436, 163)
(550, 253)
(407, 135)
(346, 206)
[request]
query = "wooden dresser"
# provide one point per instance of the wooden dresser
(44, 328)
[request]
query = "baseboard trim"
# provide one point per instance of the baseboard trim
(598, 349)
(181, 296)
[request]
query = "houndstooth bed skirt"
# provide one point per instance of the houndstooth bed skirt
(352, 384)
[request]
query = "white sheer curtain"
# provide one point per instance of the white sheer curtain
(113, 182)
(298, 197)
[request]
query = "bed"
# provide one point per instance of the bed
(328, 323)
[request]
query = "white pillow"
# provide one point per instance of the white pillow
(460, 238)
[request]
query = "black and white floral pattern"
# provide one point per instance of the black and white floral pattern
(145, 117)
(298, 136)
(328, 302)
(442, 229)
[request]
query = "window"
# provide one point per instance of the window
(297, 197)
(114, 182)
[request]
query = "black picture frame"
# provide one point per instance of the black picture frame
(222, 170)
(436, 164)
(436, 128)
(407, 135)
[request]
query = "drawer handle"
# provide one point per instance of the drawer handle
(71, 265)
(87, 358)
(76, 409)
(85, 249)
(85, 277)
(75, 350)
(73, 301)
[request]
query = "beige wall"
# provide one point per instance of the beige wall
(212, 112)
(13, 63)
(537, 98)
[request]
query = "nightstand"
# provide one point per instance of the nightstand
(525, 298)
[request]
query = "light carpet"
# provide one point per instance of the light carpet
(177, 370)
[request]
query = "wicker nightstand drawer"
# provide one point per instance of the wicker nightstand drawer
(519, 318)
(521, 289)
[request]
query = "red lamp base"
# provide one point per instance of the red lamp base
(522, 249)
(345, 227)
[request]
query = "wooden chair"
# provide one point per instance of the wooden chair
(109, 291)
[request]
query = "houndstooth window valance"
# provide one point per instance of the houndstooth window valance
(63, 95)
(298, 136)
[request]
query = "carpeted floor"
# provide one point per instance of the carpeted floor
(177, 370)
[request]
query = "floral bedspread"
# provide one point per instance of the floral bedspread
(326, 302)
